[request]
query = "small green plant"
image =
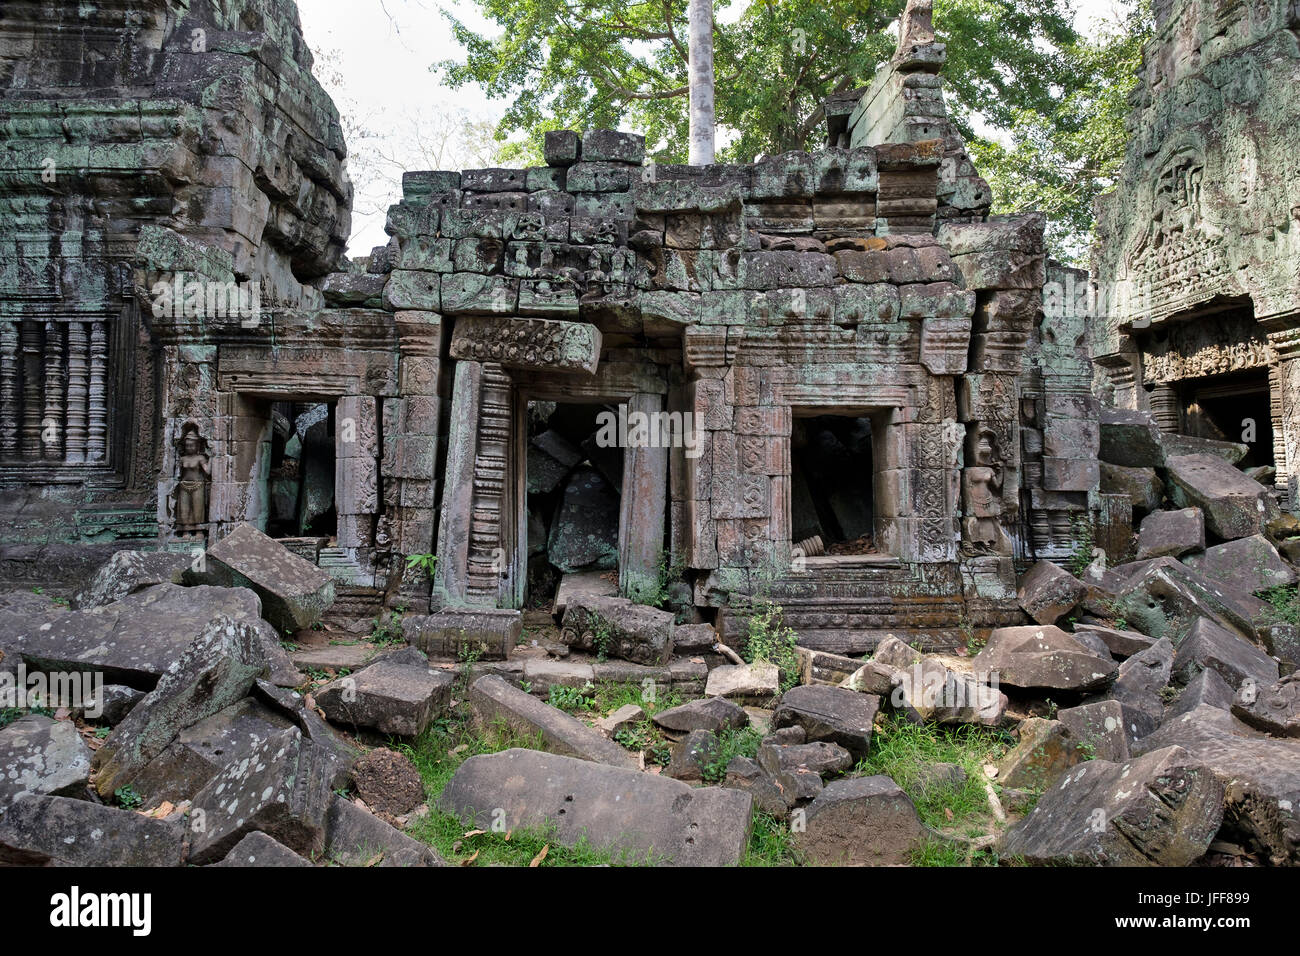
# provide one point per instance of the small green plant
(730, 744)
(1284, 604)
(467, 655)
(771, 641)
(570, 699)
(289, 645)
(387, 628)
(1087, 749)
(9, 714)
(1085, 543)
(602, 639)
(426, 563)
(127, 798)
(102, 732)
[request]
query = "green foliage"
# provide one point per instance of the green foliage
(769, 640)
(1284, 604)
(9, 714)
(467, 656)
(1053, 99)
(646, 735)
(602, 638)
(1085, 541)
(731, 744)
(428, 563)
(904, 752)
(386, 629)
(570, 699)
(770, 843)
(127, 798)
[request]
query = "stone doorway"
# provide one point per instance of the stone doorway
(832, 485)
(1235, 407)
(574, 483)
(300, 476)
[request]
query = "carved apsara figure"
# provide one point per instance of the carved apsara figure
(191, 512)
(982, 491)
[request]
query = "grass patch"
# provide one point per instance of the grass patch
(770, 843)
(903, 752)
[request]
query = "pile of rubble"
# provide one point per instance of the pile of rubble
(1150, 711)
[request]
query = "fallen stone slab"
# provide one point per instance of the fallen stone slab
(355, 837)
(755, 684)
(1120, 643)
(1261, 776)
(624, 718)
(1142, 486)
(615, 627)
(388, 782)
(258, 849)
(693, 754)
(1130, 438)
(745, 774)
(714, 714)
(636, 816)
(127, 572)
(1045, 750)
(1235, 505)
(217, 670)
(1246, 565)
(924, 688)
(694, 638)
(1097, 728)
(1207, 645)
(1178, 444)
(1171, 533)
(595, 583)
(134, 641)
(295, 593)
(1161, 809)
(1165, 597)
(822, 667)
(799, 768)
(1208, 688)
(388, 696)
(489, 633)
(292, 706)
(541, 675)
(1044, 657)
(1274, 709)
(43, 756)
(333, 657)
(283, 788)
(874, 677)
(60, 831)
(1047, 592)
(834, 714)
(861, 821)
(202, 750)
(111, 703)
(495, 703)
(1140, 687)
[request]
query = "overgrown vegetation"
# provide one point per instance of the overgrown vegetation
(1085, 544)
(770, 843)
(570, 699)
(730, 744)
(769, 640)
(1284, 604)
(426, 563)
(386, 629)
(9, 714)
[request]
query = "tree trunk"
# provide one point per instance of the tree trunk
(701, 82)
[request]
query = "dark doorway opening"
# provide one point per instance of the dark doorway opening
(574, 484)
(1235, 407)
(300, 481)
(832, 486)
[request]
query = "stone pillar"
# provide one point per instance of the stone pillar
(97, 397)
(450, 579)
(78, 392)
(1286, 394)
(32, 390)
(1166, 409)
(1279, 442)
(356, 469)
(10, 408)
(641, 521)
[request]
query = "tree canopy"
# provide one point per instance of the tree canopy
(1048, 101)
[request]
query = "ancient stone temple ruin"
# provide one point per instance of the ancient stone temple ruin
(1198, 254)
(863, 414)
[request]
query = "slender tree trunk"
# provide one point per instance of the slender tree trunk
(701, 82)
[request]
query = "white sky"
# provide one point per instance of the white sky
(382, 50)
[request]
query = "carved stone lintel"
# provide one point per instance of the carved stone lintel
(528, 343)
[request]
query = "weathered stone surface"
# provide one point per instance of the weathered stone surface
(1140, 685)
(1130, 438)
(714, 714)
(388, 782)
(1047, 592)
(862, 821)
(492, 701)
(1261, 775)
(258, 849)
(1046, 749)
(1097, 729)
(134, 641)
(1161, 809)
(1245, 565)
(1208, 688)
(692, 755)
(584, 532)
(201, 751)
(282, 789)
(111, 703)
(387, 696)
(488, 632)
(294, 592)
(1235, 506)
(1171, 533)
(1045, 657)
(798, 768)
(843, 717)
(357, 838)
(1164, 597)
(874, 677)
(42, 756)
(745, 774)
(634, 815)
(624, 718)
(755, 684)
(1209, 646)
(616, 627)
(925, 688)
(1120, 643)
(130, 571)
(515, 342)
(1274, 708)
(1142, 486)
(60, 831)
(217, 670)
